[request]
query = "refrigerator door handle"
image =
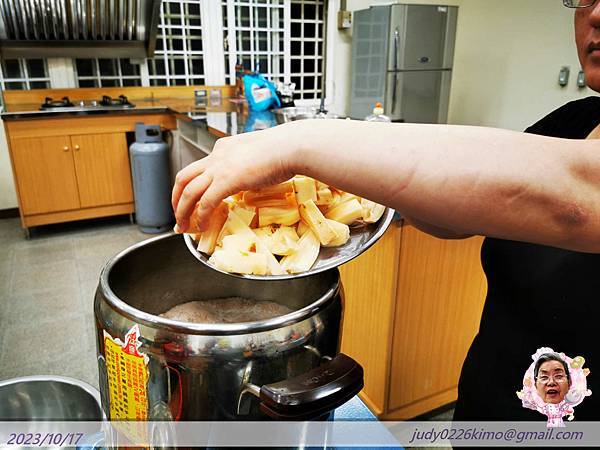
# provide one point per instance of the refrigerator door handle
(396, 45)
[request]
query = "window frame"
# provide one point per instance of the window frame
(214, 34)
(25, 79)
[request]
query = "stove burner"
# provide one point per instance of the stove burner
(121, 101)
(49, 103)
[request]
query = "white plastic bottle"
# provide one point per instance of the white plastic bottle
(378, 115)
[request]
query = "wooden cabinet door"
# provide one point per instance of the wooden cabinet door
(102, 165)
(440, 295)
(369, 284)
(45, 174)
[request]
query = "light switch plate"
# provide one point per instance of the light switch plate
(581, 79)
(563, 76)
(344, 20)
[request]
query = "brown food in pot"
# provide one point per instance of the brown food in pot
(225, 310)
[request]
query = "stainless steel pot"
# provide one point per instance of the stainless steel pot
(48, 397)
(287, 367)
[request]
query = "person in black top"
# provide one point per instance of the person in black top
(534, 195)
(538, 296)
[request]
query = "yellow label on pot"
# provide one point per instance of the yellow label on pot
(127, 376)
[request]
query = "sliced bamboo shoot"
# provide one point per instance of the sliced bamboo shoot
(237, 262)
(236, 225)
(265, 232)
(283, 216)
(208, 239)
(305, 256)
(324, 197)
(224, 232)
(321, 186)
(302, 227)
(284, 241)
(347, 196)
(305, 188)
(343, 232)
(241, 243)
(246, 213)
(372, 211)
(347, 212)
(280, 195)
(317, 222)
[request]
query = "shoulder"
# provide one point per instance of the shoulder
(574, 120)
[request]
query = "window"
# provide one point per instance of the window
(307, 25)
(24, 74)
(179, 57)
(284, 39)
(255, 38)
(107, 73)
(258, 31)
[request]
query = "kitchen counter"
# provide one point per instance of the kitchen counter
(223, 117)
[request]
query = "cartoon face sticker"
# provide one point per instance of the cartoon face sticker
(552, 378)
(554, 384)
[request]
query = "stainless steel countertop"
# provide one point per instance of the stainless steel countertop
(225, 117)
(78, 112)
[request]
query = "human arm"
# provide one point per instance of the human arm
(434, 231)
(471, 180)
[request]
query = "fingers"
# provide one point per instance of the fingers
(212, 197)
(190, 195)
(184, 176)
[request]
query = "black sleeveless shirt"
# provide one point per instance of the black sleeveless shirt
(538, 296)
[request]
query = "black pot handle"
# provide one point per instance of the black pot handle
(315, 392)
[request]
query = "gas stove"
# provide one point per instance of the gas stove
(105, 104)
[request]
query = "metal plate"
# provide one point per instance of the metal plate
(361, 239)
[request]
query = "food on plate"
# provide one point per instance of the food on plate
(346, 212)
(280, 229)
(305, 256)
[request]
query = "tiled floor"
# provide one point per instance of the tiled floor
(47, 287)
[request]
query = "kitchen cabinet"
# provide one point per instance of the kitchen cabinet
(102, 167)
(63, 173)
(46, 174)
(74, 168)
(71, 177)
(412, 308)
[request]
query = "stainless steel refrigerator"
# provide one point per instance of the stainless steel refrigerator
(402, 56)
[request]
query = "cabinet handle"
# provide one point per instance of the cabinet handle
(65, 149)
(77, 148)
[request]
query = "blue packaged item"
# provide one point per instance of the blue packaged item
(260, 93)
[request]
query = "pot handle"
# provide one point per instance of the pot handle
(315, 392)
